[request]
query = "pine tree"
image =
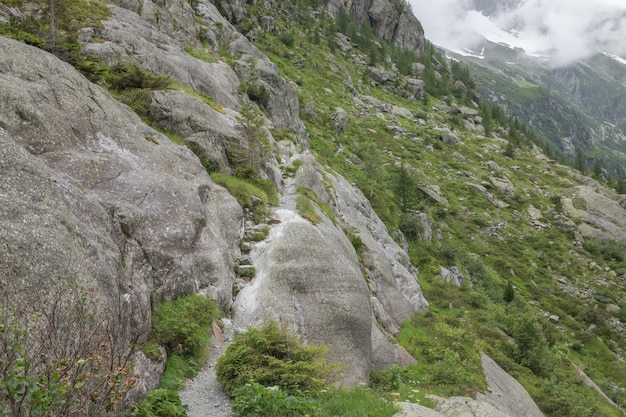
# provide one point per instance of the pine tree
(509, 293)
(256, 143)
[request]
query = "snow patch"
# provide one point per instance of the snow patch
(615, 57)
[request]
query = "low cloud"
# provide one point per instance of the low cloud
(566, 30)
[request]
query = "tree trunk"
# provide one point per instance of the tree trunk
(53, 30)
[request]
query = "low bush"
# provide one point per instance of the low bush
(181, 325)
(160, 403)
(358, 402)
(271, 355)
(124, 76)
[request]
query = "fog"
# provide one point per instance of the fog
(564, 30)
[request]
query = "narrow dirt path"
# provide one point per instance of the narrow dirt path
(203, 395)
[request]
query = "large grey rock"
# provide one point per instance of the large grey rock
(233, 10)
(274, 93)
(391, 277)
(602, 216)
(340, 116)
(129, 37)
(503, 185)
(380, 75)
(416, 410)
(210, 133)
(505, 393)
(434, 191)
(90, 191)
(506, 398)
(324, 293)
(490, 197)
(390, 23)
(467, 407)
(308, 276)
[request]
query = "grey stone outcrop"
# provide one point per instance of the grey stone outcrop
(599, 214)
(90, 191)
(505, 393)
(308, 276)
(390, 23)
(209, 132)
(505, 398)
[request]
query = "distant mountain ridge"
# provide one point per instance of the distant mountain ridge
(580, 108)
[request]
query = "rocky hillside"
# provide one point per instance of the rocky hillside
(321, 166)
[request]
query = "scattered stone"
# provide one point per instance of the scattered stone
(452, 275)
(449, 138)
(554, 318)
(343, 42)
(244, 260)
(466, 111)
(503, 185)
(534, 213)
(459, 157)
(401, 112)
(380, 75)
(309, 111)
(492, 165)
(497, 203)
(443, 109)
(434, 191)
(340, 116)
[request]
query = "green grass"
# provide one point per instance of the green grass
(246, 189)
(358, 402)
(201, 53)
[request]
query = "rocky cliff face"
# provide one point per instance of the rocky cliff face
(93, 192)
(392, 21)
(106, 198)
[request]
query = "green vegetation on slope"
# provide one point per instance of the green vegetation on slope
(391, 158)
(483, 230)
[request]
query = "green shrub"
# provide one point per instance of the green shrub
(271, 355)
(244, 189)
(181, 325)
(509, 293)
(388, 379)
(137, 99)
(356, 241)
(288, 39)
(610, 251)
(246, 272)
(252, 176)
(255, 400)
(160, 403)
(179, 369)
(27, 30)
(290, 170)
(410, 225)
(125, 76)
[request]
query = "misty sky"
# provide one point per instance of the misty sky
(568, 30)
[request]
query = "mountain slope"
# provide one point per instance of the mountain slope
(578, 107)
(386, 176)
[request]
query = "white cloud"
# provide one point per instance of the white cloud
(568, 30)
